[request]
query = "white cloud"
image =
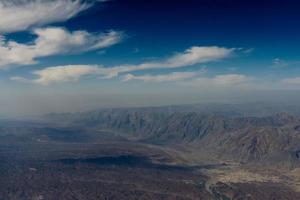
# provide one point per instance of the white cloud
(69, 73)
(293, 81)
(174, 76)
(54, 41)
(63, 74)
(60, 74)
(191, 56)
(18, 15)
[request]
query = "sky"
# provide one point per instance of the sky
(75, 55)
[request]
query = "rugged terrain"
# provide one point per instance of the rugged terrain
(152, 153)
(270, 139)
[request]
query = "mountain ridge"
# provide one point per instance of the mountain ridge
(268, 139)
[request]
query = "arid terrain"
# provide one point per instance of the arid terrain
(142, 154)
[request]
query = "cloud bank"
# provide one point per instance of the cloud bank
(191, 56)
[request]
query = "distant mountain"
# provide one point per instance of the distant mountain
(255, 139)
(228, 110)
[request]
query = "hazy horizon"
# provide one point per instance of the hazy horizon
(118, 53)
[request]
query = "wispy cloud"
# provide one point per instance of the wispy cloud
(191, 56)
(69, 73)
(18, 15)
(54, 41)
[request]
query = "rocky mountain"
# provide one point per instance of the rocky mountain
(264, 139)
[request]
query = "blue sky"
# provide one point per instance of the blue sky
(69, 55)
